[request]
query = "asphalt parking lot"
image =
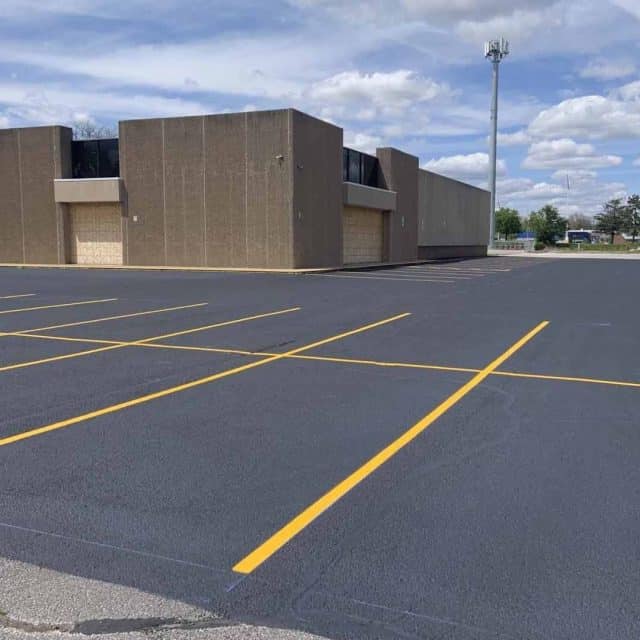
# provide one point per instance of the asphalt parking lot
(440, 451)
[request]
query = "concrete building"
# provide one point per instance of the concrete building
(263, 190)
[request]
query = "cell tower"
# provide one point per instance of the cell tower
(494, 51)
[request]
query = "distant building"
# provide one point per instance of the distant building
(270, 189)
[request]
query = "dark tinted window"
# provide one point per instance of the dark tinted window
(360, 168)
(95, 158)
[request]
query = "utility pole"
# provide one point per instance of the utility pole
(494, 51)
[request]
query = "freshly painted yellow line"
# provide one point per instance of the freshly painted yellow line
(19, 295)
(338, 360)
(114, 344)
(57, 306)
(189, 385)
(538, 376)
(121, 317)
(21, 365)
(293, 528)
(335, 275)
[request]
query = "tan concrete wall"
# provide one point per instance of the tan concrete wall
(452, 213)
(210, 191)
(360, 195)
(399, 173)
(317, 188)
(32, 223)
(88, 190)
(363, 235)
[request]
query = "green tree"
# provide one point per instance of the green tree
(580, 221)
(547, 224)
(632, 222)
(613, 218)
(508, 222)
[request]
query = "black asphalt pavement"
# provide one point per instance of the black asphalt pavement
(514, 515)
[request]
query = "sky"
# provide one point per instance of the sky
(404, 73)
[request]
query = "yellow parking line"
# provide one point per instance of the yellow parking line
(300, 522)
(57, 306)
(21, 365)
(116, 344)
(19, 295)
(338, 360)
(120, 317)
(538, 376)
(189, 385)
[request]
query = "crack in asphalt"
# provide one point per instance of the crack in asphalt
(114, 626)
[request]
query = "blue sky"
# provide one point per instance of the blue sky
(404, 73)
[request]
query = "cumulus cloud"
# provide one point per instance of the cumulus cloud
(384, 91)
(515, 139)
(629, 5)
(583, 196)
(436, 11)
(593, 117)
(566, 153)
(362, 141)
(574, 176)
(465, 167)
(604, 69)
(50, 104)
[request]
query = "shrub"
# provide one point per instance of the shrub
(539, 246)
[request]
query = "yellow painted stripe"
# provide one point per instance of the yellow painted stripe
(19, 295)
(57, 306)
(293, 528)
(120, 317)
(260, 354)
(68, 356)
(189, 385)
(115, 344)
(538, 376)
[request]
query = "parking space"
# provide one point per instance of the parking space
(360, 459)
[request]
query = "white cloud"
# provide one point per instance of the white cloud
(43, 104)
(605, 69)
(629, 5)
(636, 163)
(593, 117)
(566, 153)
(466, 167)
(385, 91)
(362, 141)
(525, 189)
(515, 139)
(584, 196)
(441, 12)
(574, 175)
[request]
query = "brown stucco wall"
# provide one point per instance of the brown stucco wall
(453, 216)
(209, 190)
(318, 192)
(32, 223)
(399, 172)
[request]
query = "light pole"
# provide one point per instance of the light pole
(494, 51)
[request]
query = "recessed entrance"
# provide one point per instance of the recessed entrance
(95, 233)
(363, 235)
